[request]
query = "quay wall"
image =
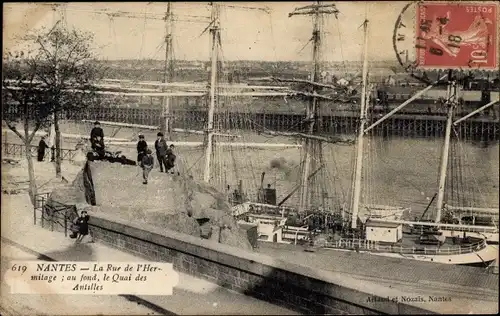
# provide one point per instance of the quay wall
(304, 289)
(341, 122)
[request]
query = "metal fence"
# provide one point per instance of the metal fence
(55, 213)
(18, 150)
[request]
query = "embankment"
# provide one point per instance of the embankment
(173, 202)
(297, 287)
(230, 265)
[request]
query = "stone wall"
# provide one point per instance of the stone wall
(296, 287)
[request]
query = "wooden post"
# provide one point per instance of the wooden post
(5, 143)
(34, 210)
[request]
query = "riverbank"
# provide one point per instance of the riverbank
(414, 125)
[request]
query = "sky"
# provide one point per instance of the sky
(247, 34)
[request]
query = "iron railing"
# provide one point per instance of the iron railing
(40, 200)
(18, 150)
(51, 212)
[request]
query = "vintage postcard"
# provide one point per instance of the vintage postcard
(250, 158)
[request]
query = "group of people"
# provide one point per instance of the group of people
(164, 154)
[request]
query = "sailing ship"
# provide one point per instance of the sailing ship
(382, 232)
(383, 226)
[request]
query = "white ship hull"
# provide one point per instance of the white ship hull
(480, 254)
(483, 257)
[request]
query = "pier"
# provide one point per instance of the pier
(338, 122)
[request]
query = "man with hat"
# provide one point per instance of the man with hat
(95, 133)
(142, 146)
(161, 151)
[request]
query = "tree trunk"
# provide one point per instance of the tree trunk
(58, 144)
(32, 190)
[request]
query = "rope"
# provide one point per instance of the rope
(476, 182)
(195, 163)
(143, 31)
(272, 37)
(341, 48)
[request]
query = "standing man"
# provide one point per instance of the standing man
(42, 145)
(161, 151)
(142, 146)
(147, 163)
(96, 132)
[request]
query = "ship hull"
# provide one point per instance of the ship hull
(481, 258)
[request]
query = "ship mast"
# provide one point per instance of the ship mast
(167, 71)
(361, 131)
(209, 134)
(310, 144)
(450, 102)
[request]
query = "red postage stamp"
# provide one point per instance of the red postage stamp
(457, 35)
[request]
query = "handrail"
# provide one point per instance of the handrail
(55, 207)
(40, 200)
(472, 229)
(375, 246)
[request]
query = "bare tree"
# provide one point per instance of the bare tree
(53, 75)
(23, 103)
(69, 71)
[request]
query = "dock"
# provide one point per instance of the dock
(405, 124)
(477, 285)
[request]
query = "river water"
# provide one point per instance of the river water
(396, 171)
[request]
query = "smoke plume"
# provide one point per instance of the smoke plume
(282, 165)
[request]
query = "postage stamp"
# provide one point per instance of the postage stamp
(451, 35)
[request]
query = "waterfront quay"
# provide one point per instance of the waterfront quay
(407, 124)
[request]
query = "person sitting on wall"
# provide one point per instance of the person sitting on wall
(98, 147)
(118, 157)
(80, 227)
(96, 132)
(170, 158)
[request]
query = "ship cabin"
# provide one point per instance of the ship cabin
(383, 231)
(270, 228)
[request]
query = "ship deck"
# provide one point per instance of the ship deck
(413, 240)
(476, 285)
